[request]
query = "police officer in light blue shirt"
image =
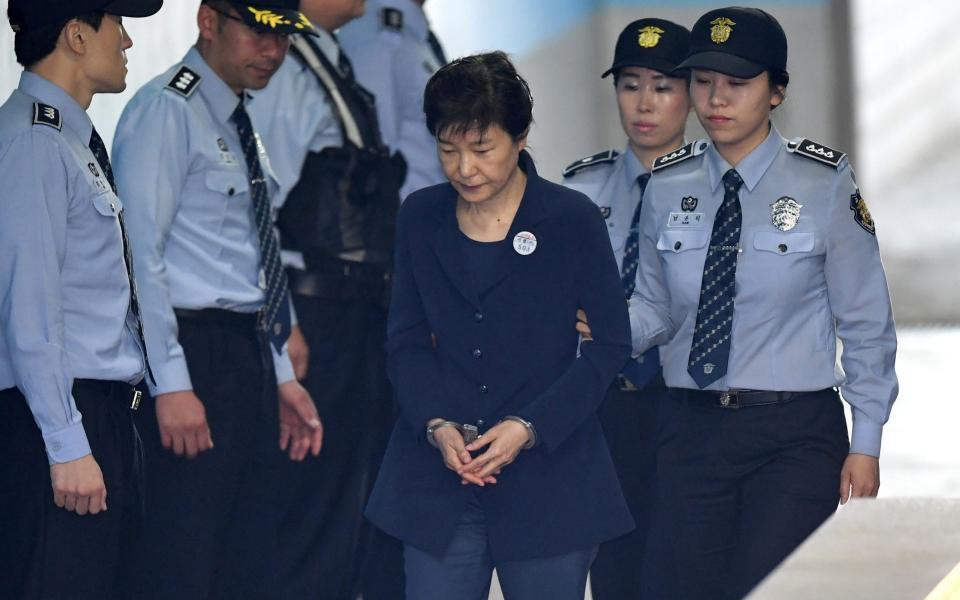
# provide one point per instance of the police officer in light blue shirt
(70, 334)
(216, 307)
(653, 106)
(757, 254)
(395, 53)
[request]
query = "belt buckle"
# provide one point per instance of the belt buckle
(135, 402)
(730, 399)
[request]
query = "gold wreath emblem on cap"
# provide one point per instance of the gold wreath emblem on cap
(720, 32)
(273, 20)
(650, 36)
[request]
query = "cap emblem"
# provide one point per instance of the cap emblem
(274, 20)
(720, 32)
(650, 36)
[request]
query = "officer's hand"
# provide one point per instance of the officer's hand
(582, 328)
(504, 441)
(183, 423)
(861, 474)
(300, 428)
(78, 486)
(455, 456)
(299, 353)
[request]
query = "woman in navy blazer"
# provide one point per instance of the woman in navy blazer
(490, 270)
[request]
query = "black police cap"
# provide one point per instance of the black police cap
(736, 41)
(273, 16)
(30, 15)
(657, 44)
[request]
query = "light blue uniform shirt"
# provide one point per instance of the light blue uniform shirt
(797, 291)
(179, 161)
(395, 65)
(65, 298)
(613, 187)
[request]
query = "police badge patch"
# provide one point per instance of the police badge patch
(785, 213)
(689, 204)
(861, 214)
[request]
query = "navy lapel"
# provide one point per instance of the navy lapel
(446, 246)
(529, 214)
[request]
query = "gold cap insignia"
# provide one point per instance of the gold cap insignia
(274, 20)
(720, 32)
(650, 36)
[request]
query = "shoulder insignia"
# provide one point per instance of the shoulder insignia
(861, 214)
(184, 81)
(816, 151)
(680, 154)
(44, 114)
(607, 156)
(391, 18)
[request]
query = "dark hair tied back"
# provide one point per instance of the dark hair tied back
(475, 92)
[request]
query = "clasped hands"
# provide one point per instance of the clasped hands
(503, 442)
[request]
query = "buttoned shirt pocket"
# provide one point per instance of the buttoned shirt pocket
(784, 243)
(682, 252)
(107, 204)
(228, 183)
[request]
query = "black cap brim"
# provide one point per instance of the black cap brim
(650, 62)
(723, 62)
(274, 20)
(133, 8)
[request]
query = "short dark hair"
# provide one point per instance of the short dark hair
(35, 45)
(683, 74)
(475, 92)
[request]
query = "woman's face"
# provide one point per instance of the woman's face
(653, 109)
(734, 112)
(478, 164)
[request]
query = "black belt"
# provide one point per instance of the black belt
(738, 398)
(342, 280)
(220, 316)
(118, 390)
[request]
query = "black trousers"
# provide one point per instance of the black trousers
(46, 552)
(742, 488)
(324, 538)
(628, 417)
(210, 529)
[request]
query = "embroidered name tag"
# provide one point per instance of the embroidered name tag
(686, 220)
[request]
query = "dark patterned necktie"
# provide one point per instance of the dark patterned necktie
(275, 314)
(99, 150)
(631, 252)
(437, 49)
(710, 349)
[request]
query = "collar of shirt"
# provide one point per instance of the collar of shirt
(218, 95)
(328, 45)
(74, 117)
(752, 167)
(632, 169)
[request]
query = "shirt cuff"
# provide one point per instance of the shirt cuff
(282, 366)
(866, 436)
(69, 443)
(171, 376)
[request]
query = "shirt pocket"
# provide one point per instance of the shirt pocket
(228, 183)
(682, 240)
(681, 253)
(107, 204)
(783, 243)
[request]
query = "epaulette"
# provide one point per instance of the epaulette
(816, 151)
(607, 156)
(391, 18)
(184, 81)
(44, 114)
(680, 154)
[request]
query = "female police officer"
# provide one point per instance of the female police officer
(757, 254)
(490, 270)
(653, 107)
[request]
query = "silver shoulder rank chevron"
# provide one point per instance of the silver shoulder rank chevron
(607, 156)
(185, 81)
(44, 114)
(680, 154)
(816, 151)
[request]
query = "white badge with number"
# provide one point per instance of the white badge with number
(524, 243)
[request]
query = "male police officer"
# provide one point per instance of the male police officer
(394, 54)
(70, 334)
(216, 304)
(653, 104)
(339, 189)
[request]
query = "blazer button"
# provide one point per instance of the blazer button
(483, 389)
(481, 423)
(477, 353)
(478, 316)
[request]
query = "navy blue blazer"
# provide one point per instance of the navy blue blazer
(477, 355)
